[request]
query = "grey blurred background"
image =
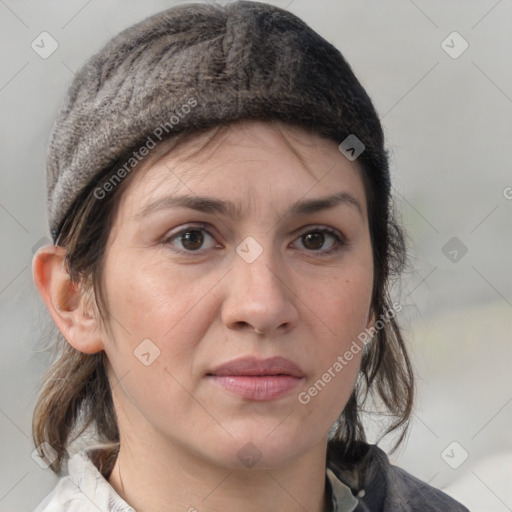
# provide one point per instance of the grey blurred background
(445, 100)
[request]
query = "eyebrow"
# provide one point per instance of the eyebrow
(230, 209)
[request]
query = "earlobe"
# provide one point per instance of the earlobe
(64, 300)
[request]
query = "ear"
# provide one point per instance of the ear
(69, 308)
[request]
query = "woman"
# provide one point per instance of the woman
(219, 201)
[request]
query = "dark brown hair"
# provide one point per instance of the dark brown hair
(76, 394)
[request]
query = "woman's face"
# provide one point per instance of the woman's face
(236, 277)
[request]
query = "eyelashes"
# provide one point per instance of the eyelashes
(196, 239)
(192, 239)
(318, 236)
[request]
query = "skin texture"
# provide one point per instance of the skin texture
(181, 434)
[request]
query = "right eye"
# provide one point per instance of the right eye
(192, 239)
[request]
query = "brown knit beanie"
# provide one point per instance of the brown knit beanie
(195, 66)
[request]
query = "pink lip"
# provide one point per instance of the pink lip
(258, 379)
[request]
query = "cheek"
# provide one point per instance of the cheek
(153, 301)
(338, 310)
(341, 304)
(158, 317)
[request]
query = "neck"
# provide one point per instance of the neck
(173, 479)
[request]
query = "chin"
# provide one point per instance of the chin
(256, 449)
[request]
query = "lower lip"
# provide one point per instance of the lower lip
(266, 387)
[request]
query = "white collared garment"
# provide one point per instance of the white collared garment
(85, 489)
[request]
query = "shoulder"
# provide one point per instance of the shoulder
(83, 490)
(384, 487)
(408, 493)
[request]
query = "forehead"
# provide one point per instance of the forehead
(248, 161)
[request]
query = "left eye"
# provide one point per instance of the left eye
(192, 239)
(319, 240)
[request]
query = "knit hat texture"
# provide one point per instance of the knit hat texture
(193, 67)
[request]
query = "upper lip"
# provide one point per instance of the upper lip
(258, 367)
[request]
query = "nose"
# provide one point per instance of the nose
(260, 297)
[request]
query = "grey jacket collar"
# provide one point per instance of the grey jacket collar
(381, 487)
